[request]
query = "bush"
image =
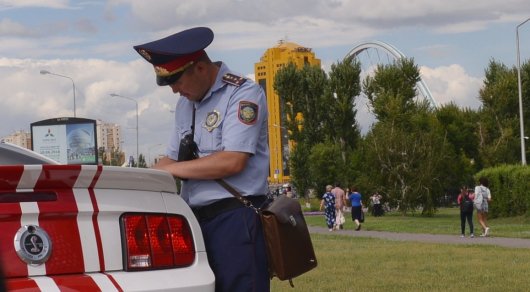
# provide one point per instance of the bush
(313, 202)
(509, 185)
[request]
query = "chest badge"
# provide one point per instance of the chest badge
(212, 121)
(33, 245)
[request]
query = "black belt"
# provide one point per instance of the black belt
(223, 205)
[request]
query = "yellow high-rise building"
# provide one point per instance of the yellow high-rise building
(272, 60)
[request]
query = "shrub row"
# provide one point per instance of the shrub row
(509, 185)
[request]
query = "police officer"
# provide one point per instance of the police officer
(225, 115)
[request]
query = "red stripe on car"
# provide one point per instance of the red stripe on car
(95, 218)
(76, 283)
(10, 223)
(59, 219)
(22, 284)
(114, 282)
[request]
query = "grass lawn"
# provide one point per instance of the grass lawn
(445, 221)
(366, 264)
(348, 263)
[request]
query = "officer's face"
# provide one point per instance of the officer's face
(193, 83)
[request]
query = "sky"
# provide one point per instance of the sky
(90, 42)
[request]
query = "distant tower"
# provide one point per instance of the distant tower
(109, 138)
(272, 60)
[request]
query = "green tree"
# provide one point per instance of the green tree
(406, 152)
(498, 124)
(319, 109)
(323, 168)
(299, 164)
(141, 161)
(460, 128)
(117, 157)
(391, 92)
(344, 86)
(409, 167)
(102, 156)
(288, 86)
(300, 93)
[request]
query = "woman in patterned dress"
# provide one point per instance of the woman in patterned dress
(328, 201)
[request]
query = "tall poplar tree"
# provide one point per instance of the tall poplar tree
(344, 86)
(319, 110)
(498, 123)
(406, 150)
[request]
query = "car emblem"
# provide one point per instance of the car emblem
(33, 245)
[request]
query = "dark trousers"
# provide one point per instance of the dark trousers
(463, 217)
(378, 210)
(236, 251)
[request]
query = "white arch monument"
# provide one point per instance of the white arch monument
(422, 86)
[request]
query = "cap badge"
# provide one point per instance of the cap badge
(161, 71)
(33, 245)
(145, 54)
(212, 121)
(248, 112)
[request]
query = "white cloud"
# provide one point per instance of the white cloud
(9, 27)
(7, 4)
(30, 96)
(444, 16)
(462, 27)
(452, 84)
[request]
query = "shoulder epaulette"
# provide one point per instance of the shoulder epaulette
(234, 79)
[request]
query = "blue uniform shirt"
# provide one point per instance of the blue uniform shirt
(231, 117)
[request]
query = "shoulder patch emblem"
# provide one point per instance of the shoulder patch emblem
(233, 79)
(248, 112)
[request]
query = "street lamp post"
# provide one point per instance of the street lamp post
(277, 153)
(44, 72)
(136, 102)
(523, 152)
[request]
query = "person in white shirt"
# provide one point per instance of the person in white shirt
(482, 198)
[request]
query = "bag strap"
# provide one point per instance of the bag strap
(193, 123)
(236, 194)
(220, 181)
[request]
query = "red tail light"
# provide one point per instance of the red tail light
(156, 241)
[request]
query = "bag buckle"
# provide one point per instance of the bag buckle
(292, 220)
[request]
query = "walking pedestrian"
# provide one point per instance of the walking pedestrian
(482, 199)
(465, 201)
(340, 202)
(377, 208)
(356, 207)
(328, 204)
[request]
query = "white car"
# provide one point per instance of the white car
(95, 228)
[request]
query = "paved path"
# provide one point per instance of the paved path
(432, 238)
